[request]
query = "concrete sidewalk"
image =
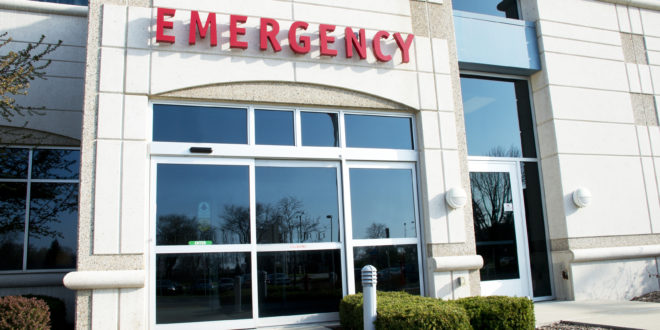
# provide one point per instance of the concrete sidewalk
(625, 314)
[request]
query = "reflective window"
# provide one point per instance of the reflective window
(180, 123)
(301, 282)
(52, 199)
(12, 224)
(397, 265)
(55, 164)
(53, 211)
(319, 129)
(538, 244)
(378, 132)
(498, 120)
(69, 2)
(202, 204)
(297, 205)
(493, 225)
(273, 127)
(14, 163)
(382, 203)
(502, 8)
(203, 287)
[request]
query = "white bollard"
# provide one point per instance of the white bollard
(369, 279)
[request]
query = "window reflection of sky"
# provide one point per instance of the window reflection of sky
(178, 123)
(491, 116)
(382, 197)
(319, 129)
(273, 127)
(378, 132)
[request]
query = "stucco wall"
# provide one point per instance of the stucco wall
(597, 128)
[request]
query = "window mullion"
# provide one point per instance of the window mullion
(27, 211)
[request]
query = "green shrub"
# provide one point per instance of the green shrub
(57, 310)
(497, 312)
(23, 313)
(400, 310)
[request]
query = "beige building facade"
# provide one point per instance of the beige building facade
(224, 183)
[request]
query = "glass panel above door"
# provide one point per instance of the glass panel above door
(181, 123)
(319, 129)
(273, 127)
(202, 204)
(498, 118)
(378, 132)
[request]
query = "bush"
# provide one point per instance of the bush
(497, 312)
(57, 310)
(23, 313)
(400, 310)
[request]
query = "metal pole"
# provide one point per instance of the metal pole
(369, 279)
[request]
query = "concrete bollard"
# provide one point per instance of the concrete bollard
(369, 279)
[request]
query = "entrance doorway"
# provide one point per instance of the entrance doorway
(499, 228)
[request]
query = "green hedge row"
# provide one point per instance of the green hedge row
(400, 310)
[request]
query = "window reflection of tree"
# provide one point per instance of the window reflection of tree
(283, 222)
(50, 205)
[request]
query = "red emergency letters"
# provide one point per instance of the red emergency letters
(268, 36)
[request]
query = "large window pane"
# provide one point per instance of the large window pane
(53, 229)
(502, 8)
(378, 132)
(382, 203)
(538, 248)
(319, 129)
(498, 120)
(297, 205)
(303, 282)
(273, 127)
(13, 163)
(12, 224)
(55, 164)
(492, 208)
(202, 204)
(179, 123)
(203, 287)
(398, 267)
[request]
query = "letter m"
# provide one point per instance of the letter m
(196, 25)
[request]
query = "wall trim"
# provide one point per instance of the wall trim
(648, 4)
(44, 7)
(90, 280)
(453, 263)
(614, 253)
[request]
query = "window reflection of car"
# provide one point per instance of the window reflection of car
(204, 286)
(226, 283)
(167, 287)
(387, 273)
(278, 279)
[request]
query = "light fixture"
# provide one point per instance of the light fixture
(582, 197)
(456, 197)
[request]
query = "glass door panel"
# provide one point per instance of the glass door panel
(384, 225)
(499, 228)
